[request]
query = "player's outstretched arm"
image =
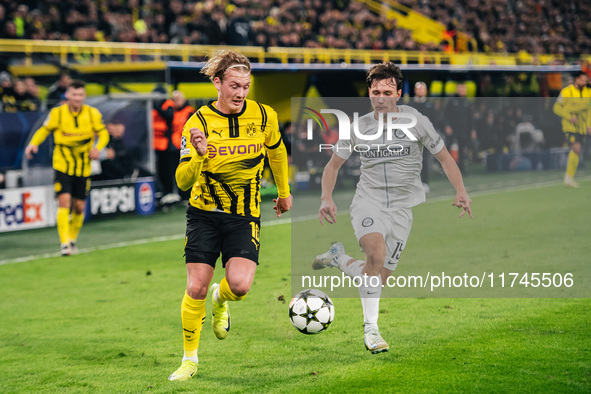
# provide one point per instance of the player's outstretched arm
(454, 175)
(101, 133)
(328, 209)
(279, 166)
(50, 124)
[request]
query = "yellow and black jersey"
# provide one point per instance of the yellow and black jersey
(228, 177)
(574, 102)
(73, 136)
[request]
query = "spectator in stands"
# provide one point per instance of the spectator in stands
(19, 20)
(20, 100)
(167, 155)
(287, 135)
(178, 30)
(486, 87)
(2, 15)
(420, 102)
(508, 119)
(182, 113)
(118, 161)
(33, 90)
(238, 27)
(10, 31)
(6, 88)
(55, 92)
(493, 137)
(459, 118)
(497, 26)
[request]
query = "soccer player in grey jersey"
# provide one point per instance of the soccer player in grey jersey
(389, 186)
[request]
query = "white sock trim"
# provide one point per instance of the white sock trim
(194, 359)
(370, 293)
(216, 295)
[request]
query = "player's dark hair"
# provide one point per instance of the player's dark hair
(222, 60)
(578, 74)
(77, 84)
(386, 70)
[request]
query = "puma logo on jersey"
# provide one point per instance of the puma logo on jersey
(217, 132)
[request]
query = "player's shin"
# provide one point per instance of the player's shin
(370, 292)
(76, 225)
(350, 266)
(572, 164)
(63, 225)
(193, 316)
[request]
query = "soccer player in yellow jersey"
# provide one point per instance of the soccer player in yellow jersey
(223, 148)
(75, 127)
(574, 107)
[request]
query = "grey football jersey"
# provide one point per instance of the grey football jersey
(390, 178)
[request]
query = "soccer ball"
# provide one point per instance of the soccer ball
(311, 311)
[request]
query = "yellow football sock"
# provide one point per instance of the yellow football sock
(192, 316)
(76, 225)
(63, 224)
(225, 294)
(572, 164)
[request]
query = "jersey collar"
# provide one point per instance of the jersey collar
(217, 111)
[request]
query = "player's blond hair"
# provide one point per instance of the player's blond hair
(223, 60)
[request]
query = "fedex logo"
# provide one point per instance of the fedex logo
(213, 151)
(23, 211)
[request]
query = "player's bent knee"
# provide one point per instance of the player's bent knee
(576, 148)
(375, 258)
(197, 291)
(240, 289)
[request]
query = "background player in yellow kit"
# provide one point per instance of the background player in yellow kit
(75, 126)
(574, 107)
(223, 148)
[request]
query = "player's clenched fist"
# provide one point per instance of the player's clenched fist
(199, 141)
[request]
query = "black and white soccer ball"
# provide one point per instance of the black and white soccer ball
(311, 311)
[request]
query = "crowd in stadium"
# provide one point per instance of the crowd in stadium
(536, 26)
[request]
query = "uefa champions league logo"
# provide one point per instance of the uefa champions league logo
(393, 130)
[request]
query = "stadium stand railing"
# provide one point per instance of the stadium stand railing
(32, 57)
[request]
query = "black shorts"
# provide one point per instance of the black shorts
(77, 186)
(209, 233)
(571, 138)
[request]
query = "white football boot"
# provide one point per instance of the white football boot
(374, 342)
(570, 182)
(327, 259)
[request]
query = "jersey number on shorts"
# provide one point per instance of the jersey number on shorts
(398, 250)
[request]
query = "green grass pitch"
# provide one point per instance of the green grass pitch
(109, 320)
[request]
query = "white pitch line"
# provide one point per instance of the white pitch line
(135, 242)
(268, 223)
